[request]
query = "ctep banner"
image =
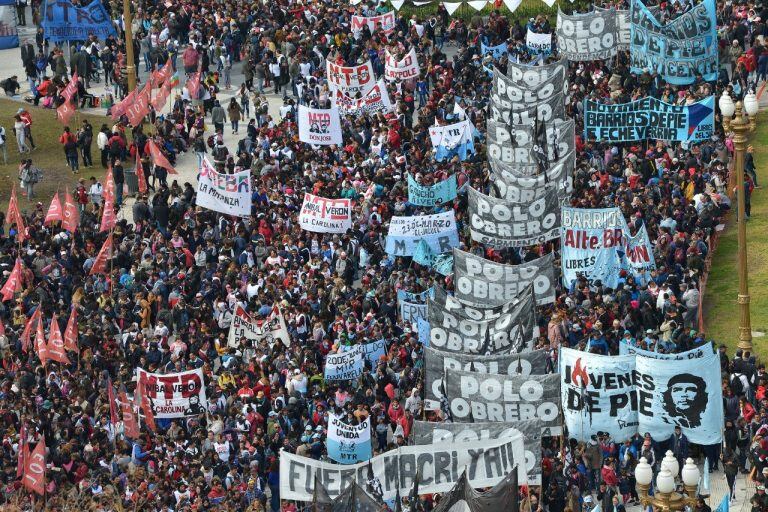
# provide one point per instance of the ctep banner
(323, 215)
(319, 126)
(174, 395)
(350, 79)
(229, 194)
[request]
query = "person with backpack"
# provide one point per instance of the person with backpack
(84, 141)
(116, 147)
(29, 175)
(69, 142)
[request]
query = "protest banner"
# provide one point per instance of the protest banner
(694, 353)
(538, 43)
(678, 50)
(410, 312)
(269, 330)
(438, 467)
(533, 76)
(425, 433)
(9, 36)
(380, 23)
(323, 215)
(623, 395)
(623, 33)
(374, 100)
(481, 281)
(453, 139)
(350, 80)
(403, 69)
(640, 255)
(520, 113)
(174, 395)
(525, 189)
(588, 36)
(422, 195)
(477, 311)
(229, 194)
(514, 144)
(63, 21)
(436, 362)
(500, 224)
(415, 297)
(372, 351)
(502, 398)
(438, 230)
(348, 365)
(496, 52)
(348, 444)
(649, 118)
(318, 126)
(508, 94)
(423, 328)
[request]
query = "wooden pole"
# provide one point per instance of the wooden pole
(130, 67)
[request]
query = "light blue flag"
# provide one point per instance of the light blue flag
(725, 504)
(703, 489)
(443, 264)
(496, 51)
(423, 327)
(403, 296)
(423, 254)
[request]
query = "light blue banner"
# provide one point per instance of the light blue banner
(410, 312)
(437, 230)
(423, 254)
(649, 119)
(347, 365)
(695, 353)
(421, 195)
(372, 351)
(443, 264)
(640, 256)
(348, 444)
(9, 35)
(62, 21)
(403, 296)
(423, 327)
(496, 51)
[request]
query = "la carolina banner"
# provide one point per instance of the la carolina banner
(384, 22)
(229, 194)
(589, 36)
(375, 100)
(695, 353)
(422, 195)
(425, 433)
(500, 224)
(319, 126)
(348, 444)
(481, 281)
(439, 467)
(322, 215)
(516, 189)
(347, 365)
(174, 395)
(532, 76)
(514, 144)
(649, 118)
(438, 230)
(526, 114)
(503, 398)
(538, 43)
(244, 327)
(623, 395)
(63, 21)
(403, 69)
(350, 79)
(678, 50)
(436, 362)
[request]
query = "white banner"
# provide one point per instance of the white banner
(229, 194)
(174, 395)
(384, 22)
(375, 100)
(538, 43)
(350, 79)
(347, 443)
(404, 69)
(318, 126)
(322, 215)
(270, 329)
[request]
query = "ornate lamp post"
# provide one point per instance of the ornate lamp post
(665, 498)
(735, 120)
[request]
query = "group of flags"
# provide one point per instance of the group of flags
(55, 348)
(31, 465)
(136, 105)
(127, 408)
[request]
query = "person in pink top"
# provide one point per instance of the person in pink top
(189, 58)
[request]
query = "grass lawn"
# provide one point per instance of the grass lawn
(721, 312)
(49, 155)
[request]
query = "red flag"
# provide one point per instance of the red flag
(40, 344)
(140, 176)
(162, 96)
(158, 158)
(71, 89)
(13, 284)
(193, 85)
(109, 186)
(120, 108)
(102, 259)
(130, 425)
(14, 216)
(65, 112)
(21, 450)
(160, 76)
(139, 107)
(146, 406)
(54, 211)
(108, 217)
(70, 333)
(34, 469)
(112, 403)
(56, 350)
(26, 334)
(71, 214)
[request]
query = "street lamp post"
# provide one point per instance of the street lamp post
(665, 498)
(734, 120)
(130, 68)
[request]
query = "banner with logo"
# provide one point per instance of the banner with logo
(382, 22)
(319, 126)
(423, 195)
(514, 145)
(323, 215)
(350, 80)
(438, 230)
(649, 118)
(526, 114)
(174, 395)
(524, 189)
(375, 100)
(508, 95)
(438, 466)
(502, 398)
(481, 281)
(63, 21)
(348, 365)
(426, 433)
(436, 362)
(501, 224)
(403, 69)
(453, 139)
(538, 43)
(677, 50)
(348, 444)
(532, 76)
(588, 36)
(269, 330)
(229, 194)
(496, 52)
(695, 353)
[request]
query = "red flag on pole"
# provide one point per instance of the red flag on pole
(140, 176)
(56, 350)
(160, 76)
(21, 450)
(14, 216)
(40, 344)
(120, 108)
(34, 469)
(139, 107)
(161, 99)
(109, 186)
(26, 334)
(158, 158)
(102, 259)
(13, 284)
(108, 217)
(112, 403)
(146, 406)
(71, 214)
(70, 333)
(55, 213)
(130, 426)
(65, 111)
(71, 88)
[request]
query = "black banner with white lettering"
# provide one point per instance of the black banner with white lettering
(514, 145)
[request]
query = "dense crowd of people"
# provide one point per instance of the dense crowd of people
(179, 271)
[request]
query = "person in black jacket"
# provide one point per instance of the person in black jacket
(119, 176)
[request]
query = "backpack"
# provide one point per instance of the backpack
(114, 147)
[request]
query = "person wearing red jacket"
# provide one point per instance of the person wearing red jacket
(26, 118)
